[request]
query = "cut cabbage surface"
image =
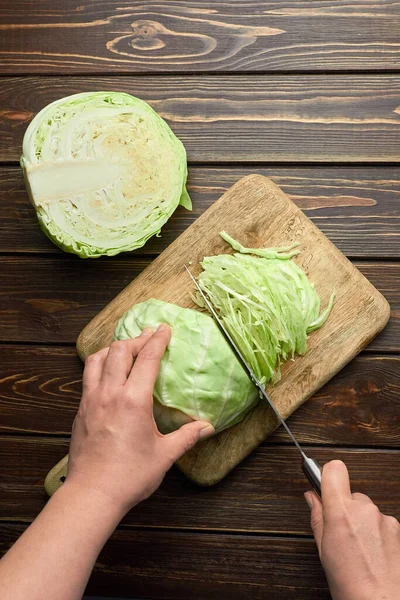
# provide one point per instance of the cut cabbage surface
(104, 172)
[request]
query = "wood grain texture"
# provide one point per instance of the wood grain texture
(189, 566)
(271, 219)
(40, 390)
(241, 117)
(51, 299)
(357, 208)
(173, 36)
(337, 118)
(264, 494)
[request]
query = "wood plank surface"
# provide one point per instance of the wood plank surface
(264, 494)
(310, 118)
(357, 208)
(40, 390)
(303, 91)
(360, 312)
(51, 299)
(174, 36)
(189, 566)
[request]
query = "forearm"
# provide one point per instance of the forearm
(53, 559)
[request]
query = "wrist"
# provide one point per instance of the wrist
(101, 506)
(366, 592)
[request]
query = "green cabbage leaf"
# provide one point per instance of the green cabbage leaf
(104, 172)
(200, 378)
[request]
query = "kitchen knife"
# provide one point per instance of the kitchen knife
(310, 467)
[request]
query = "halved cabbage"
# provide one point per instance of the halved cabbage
(200, 378)
(104, 172)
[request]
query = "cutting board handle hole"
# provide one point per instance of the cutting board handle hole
(62, 479)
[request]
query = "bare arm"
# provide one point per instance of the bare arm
(117, 459)
(55, 556)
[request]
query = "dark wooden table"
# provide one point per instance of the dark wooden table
(306, 92)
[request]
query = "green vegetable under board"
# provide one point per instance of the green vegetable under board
(268, 305)
(104, 172)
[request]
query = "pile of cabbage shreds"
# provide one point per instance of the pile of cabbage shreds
(265, 301)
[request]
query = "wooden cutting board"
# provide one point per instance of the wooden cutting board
(257, 213)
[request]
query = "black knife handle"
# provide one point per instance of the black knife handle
(312, 471)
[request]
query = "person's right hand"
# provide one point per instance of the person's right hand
(359, 547)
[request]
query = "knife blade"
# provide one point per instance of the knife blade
(310, 466)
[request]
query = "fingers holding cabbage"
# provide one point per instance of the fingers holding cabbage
(200, 377)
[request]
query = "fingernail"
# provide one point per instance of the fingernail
(163, 327)
(309, 499)
(147, 331)
(206, 432)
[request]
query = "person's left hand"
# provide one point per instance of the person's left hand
(116, 447)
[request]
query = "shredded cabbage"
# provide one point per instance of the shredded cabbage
(104, 172)
(265, 301)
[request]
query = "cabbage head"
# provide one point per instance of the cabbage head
(104, 172)
(200, 378)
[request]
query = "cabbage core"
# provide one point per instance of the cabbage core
(104, 172)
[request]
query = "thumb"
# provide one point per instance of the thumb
(317, 520)
(187, 436)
